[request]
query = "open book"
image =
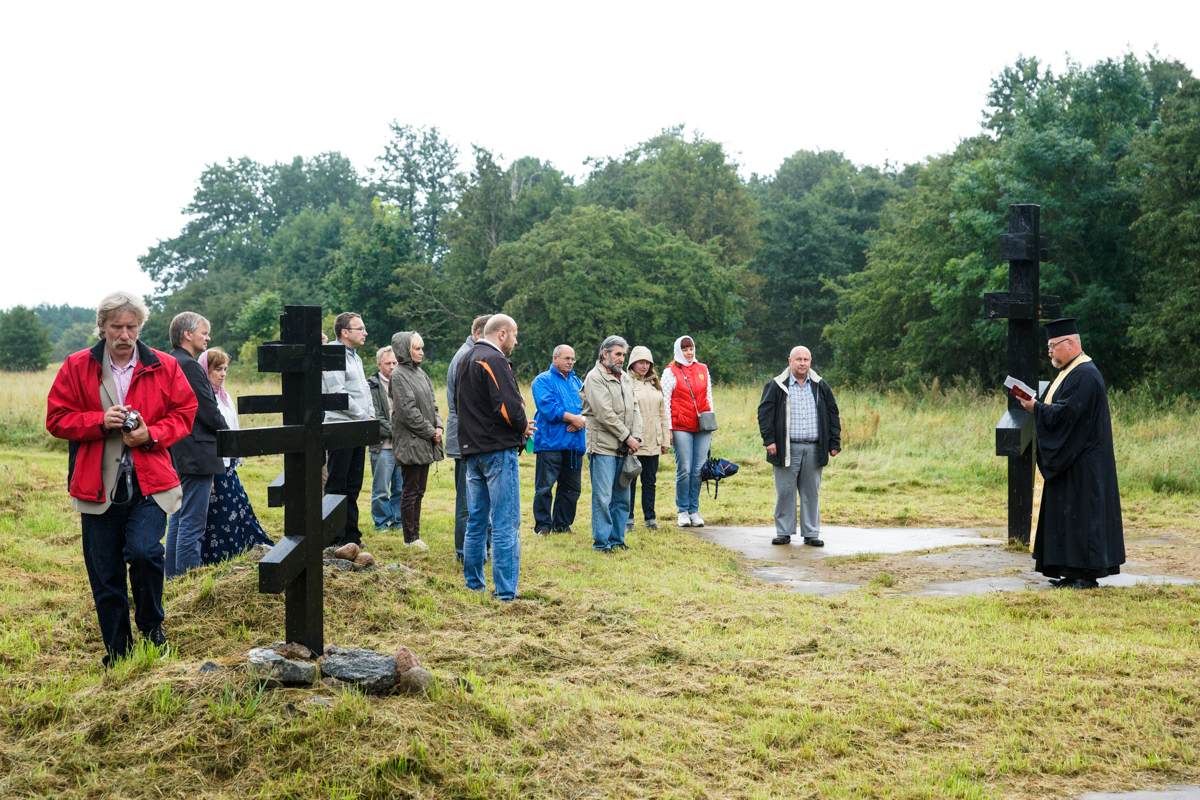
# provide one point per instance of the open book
(1020, 389)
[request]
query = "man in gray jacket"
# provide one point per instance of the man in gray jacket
(460, 471)
(614, 430)
(347, 466)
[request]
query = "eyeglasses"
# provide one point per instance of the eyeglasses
(1051, 345)
(364, 330)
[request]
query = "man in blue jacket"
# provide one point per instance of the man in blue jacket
(559, 444)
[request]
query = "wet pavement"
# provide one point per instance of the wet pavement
(805, 570)
(1174, 793)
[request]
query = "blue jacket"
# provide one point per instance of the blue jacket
(553, 394)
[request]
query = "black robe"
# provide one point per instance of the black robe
(1079, 533)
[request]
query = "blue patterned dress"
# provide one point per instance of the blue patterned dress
(232, 526)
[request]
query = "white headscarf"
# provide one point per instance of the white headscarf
(679, 351)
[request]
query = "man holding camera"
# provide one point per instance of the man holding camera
(614, 431)
(195, 455)
(120, 474)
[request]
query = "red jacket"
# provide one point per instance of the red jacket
(684, 413)
(158, 391)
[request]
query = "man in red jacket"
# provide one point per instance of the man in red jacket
(120, 475)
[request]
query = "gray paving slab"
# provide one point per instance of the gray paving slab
(1174, 793)
(979, 586)
(801, 581)
(1129, 579)
(839, 540)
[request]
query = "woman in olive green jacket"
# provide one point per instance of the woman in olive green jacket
(416, 429)
(656, 431)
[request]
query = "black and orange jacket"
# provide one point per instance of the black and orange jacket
(491, 411)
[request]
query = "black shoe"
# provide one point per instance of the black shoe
(813, 541)
(543, 532)
(1056, 582)
(652, 524)
(782, 540)
(1078, 583)
(156, 637)
(621, 546)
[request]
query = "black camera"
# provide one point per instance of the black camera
(131, 421)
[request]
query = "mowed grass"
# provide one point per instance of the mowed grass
(662, 672)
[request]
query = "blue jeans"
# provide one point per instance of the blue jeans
(493, 496)
(691, 451)
(385, 510)
(610, 502)
(129, 535)
(187, 525)
(461, 512)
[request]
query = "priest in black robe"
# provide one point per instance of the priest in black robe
(1079, 536)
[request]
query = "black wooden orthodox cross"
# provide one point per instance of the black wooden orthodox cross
(1024, 307)
(310, 520)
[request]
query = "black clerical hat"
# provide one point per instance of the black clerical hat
(1061, 327)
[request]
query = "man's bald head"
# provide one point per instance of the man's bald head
(799, 362)
(501, 330)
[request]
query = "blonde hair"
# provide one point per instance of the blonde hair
(415, 341)
(217, 358)
(118, 303)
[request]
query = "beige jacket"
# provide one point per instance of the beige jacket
(611, 410)
(656, 425)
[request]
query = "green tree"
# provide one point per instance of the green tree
(418, 169)
(690, 186)
(79, 336)
(24, 341)
(363, 277)
(1166, 162)
(257, 322)
(817, 213)
(594, 271)
(58, 318)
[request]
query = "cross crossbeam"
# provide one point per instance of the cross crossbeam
(311, 520)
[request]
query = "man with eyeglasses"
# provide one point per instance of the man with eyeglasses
(559, 444)
(1079, 537)
(347, 466)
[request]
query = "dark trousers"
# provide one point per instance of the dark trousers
(415, 477)
(346, 469)
(564, 467)
(124, 537)
(649, 483)
(460, 506)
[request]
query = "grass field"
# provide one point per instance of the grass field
(662, 672)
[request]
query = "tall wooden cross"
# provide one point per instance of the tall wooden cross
(1024, 307)
(310, 520)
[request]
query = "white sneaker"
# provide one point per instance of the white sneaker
(417, 544)
(697, 520)
(684, 520)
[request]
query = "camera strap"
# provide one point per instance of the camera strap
(125, 470)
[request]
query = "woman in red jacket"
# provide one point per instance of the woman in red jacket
(688, 392)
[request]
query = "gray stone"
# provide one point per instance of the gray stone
(265, 663)
(417, 680)
(374, 672)
(400, 568)
(339, 563)
(328, 552)
(839, 541)
(209, 666)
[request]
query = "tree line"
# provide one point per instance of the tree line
(879, 270)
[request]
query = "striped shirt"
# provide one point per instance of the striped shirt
(802, 405)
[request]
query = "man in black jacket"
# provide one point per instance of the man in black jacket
(799, 423)
(492, 429)
(195, 455)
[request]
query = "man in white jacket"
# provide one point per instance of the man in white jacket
(346, 466)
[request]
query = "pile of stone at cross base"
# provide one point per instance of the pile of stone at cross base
(293, 664)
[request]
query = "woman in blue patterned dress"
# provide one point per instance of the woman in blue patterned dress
(232, 526)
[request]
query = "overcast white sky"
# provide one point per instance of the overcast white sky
(111, 111)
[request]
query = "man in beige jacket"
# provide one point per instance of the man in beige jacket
(614, 430)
